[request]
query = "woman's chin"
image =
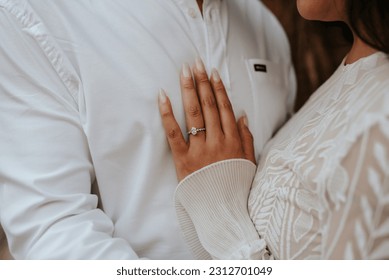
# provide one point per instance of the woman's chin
(321, 10)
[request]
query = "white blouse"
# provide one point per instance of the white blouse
(321, 190)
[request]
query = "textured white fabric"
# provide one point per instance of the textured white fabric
(78, 106)
(322, 186)
(196, 192)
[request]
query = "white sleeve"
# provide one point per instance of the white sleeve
(46, 206)
(359, 193)
(212, 211)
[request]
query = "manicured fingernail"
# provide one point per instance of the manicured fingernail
(186, 70)
(162, 96)
(200, 65)
(215, 75)
(245, 121)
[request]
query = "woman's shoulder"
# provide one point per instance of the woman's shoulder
(380, 71)
(363, 86)
(372, 84)
(366, 102)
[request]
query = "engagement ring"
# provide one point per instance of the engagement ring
(195, 130)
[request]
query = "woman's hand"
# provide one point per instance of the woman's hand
(206, 106)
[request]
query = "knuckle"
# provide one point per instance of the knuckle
(226, 105)
(173, 134)
(187, 84)
(202, 78)
(218, 86)
(209, 102)
(167, 114)
(194, 111)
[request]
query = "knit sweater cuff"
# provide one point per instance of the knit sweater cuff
(211, 206)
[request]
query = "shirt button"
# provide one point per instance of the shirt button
(192, 13)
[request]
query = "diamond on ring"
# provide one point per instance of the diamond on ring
(195, 130)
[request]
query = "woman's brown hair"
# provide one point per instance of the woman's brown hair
(369, 19)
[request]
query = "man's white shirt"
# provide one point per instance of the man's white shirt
(79, 82)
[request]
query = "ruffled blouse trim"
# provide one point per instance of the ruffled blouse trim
(254, 251)
(32, 25)
(217, 177)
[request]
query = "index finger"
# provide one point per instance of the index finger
(172, 129)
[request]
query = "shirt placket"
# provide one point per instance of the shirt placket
(215, 20)
(209, 33)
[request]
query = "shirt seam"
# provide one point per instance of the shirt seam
(36, 29)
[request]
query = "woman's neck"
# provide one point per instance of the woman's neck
(359, 50)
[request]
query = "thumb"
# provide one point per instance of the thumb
(247, 139)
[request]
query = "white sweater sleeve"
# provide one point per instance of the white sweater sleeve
(211, 205)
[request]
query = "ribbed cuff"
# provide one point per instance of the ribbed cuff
(211, 206)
